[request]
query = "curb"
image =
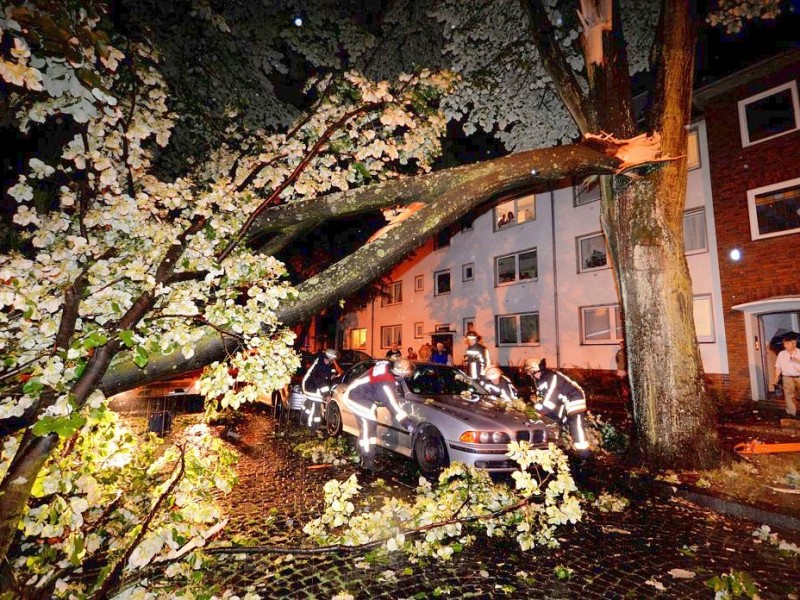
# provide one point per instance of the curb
(735, 509)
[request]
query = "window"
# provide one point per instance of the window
(419, 329)
(586, 191)
(694, 231)
(442, 239)
(514, 212)
(393, 294)
(592, 255)
(469, 324)
(517, 330)
(769, 114)
(358, 338)
(467, 223)
(693, 150)
(419, 283)
(441, 283)
(774, 209)
(521, 266)
(703, 318)
(601, 324)
(391, 334)
(468, 272)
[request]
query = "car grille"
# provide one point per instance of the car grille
(538, 436)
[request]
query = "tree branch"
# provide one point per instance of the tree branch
(116, 571)
(556, 65)
(450, 194)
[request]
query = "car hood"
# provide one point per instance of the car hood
(483, 414)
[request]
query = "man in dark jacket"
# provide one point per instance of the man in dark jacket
(317, 384)
(561, 399)
(375, 388)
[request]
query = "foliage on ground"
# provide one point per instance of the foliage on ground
(444, 517)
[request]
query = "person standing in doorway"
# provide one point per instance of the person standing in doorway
(441, 355)
(787, 366)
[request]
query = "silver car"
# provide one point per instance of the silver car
(455, 420)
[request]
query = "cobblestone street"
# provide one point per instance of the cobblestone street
(612, 555)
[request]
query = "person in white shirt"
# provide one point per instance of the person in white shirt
(787, 365)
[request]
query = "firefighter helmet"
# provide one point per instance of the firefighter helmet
(332, 354)
(532, 365)
(471, 334)
(402, 367)
(493, 373)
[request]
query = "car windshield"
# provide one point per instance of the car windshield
(432, 380)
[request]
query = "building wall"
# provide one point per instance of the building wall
(557, 294)
(768, 267)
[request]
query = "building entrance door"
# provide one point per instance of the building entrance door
(771, 327)
(446, 339)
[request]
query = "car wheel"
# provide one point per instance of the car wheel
(333, 420)
(430, 452)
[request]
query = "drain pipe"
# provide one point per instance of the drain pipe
(372, 332)
(555, 274)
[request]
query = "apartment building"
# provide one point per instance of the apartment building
(532, 276)
(753, 122)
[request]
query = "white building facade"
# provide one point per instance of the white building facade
(531, 276)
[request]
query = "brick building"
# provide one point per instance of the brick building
(753, 130)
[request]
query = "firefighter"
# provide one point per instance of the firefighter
(375, 388)
(476, 358)
(317, 384)
(498, 384)
(561, 399)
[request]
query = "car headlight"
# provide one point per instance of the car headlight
(485, 437)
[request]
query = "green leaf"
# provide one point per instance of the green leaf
(32, 386)
(63, 426)
(126, 337)
(94, 340)
(362, 170)
(141, 357)
(80, 367)
(458, 547)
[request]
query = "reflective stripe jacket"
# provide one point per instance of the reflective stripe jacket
(503, 389)
(477, 359)
(557, 391)
(317, 380)
(377, 387)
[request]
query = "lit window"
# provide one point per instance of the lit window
(693, 150)
(694, 231)
(515, 212)
(774, 209)
(601, 324)
(441, 283)
(592, 255)
(393, 294)
(521, 266)
(769, 114)
(586, 191)
(358, 338)
(517, 330)
(468, 272)
(703, 318)
(391, 334)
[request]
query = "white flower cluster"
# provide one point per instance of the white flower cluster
(731, 14)
(460, 493)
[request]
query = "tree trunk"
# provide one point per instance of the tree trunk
(675, 422)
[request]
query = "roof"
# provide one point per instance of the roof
(705, 94)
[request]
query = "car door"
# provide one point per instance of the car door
(348, 418)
